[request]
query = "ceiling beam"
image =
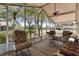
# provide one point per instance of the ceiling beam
(62, 13)
(10, 4)
(22, 5)
(48, 16)
(44, 5)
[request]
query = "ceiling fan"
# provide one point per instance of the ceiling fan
(55, 11)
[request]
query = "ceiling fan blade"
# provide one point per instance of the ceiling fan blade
(62, 13)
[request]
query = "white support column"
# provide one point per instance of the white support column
(77, 19)
(7, 39)
(46, 26)
(24, 17)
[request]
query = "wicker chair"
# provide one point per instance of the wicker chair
(21, 42)
(70, 49)
(66, 36)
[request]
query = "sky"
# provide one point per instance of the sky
(20, 20)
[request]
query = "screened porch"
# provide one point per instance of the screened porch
(38, 20)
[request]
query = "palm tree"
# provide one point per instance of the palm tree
(29, 20)
(14, 12)
(36, 14)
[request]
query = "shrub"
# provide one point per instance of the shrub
(2, 38)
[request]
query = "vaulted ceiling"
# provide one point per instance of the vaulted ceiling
(66, 10)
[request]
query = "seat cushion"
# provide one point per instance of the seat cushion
(23, 45)
(70, 49)
(20, 36)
